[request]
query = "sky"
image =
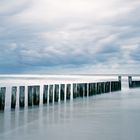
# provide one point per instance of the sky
(69, 36)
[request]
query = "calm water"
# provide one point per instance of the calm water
(113, 116)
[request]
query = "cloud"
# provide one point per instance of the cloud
(81, 36)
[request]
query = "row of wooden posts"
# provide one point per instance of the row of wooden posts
(57, 92)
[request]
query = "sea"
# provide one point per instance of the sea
(111, 116)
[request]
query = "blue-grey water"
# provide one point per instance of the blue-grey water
(112, 116)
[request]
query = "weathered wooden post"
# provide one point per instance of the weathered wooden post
(13, 97)
(130, 81)
(99, 88)
(68, 91)
(45, 94)
(107, 87)
(94, 85)
(78, 90)
(56, 93)
(120, 82)
(2, 97)
(50, 93)
(30, 94)
(92, 89)
(102, 87)
(115, 85)
(74, 90)
(81, 90)
(22, 96)
(112, 86)
(119, 78)
(62, 91)
(85, 89)
(36, 95)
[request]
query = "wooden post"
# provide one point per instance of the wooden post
(45, 94)
(62, 92)
(112, 86)
(78, 90)
(90, 89)
(130, 81)
(30, 94)
(36, 95)
(68, 91)
(50, 93)
(107, 87)
(81, 87)
(2, 97)
(22, 96)
(85, 89)
(99, 88)
(13, 97)
(119, 78)
(120, 82)
(82, 90)
(56, 93)
(74, 90)
(102, 87)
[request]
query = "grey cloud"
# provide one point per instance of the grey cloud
(135, 54)
(68, 43)
(10, 8)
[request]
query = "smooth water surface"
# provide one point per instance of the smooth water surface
(112, 116)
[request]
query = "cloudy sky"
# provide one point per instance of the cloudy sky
(69, 36)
